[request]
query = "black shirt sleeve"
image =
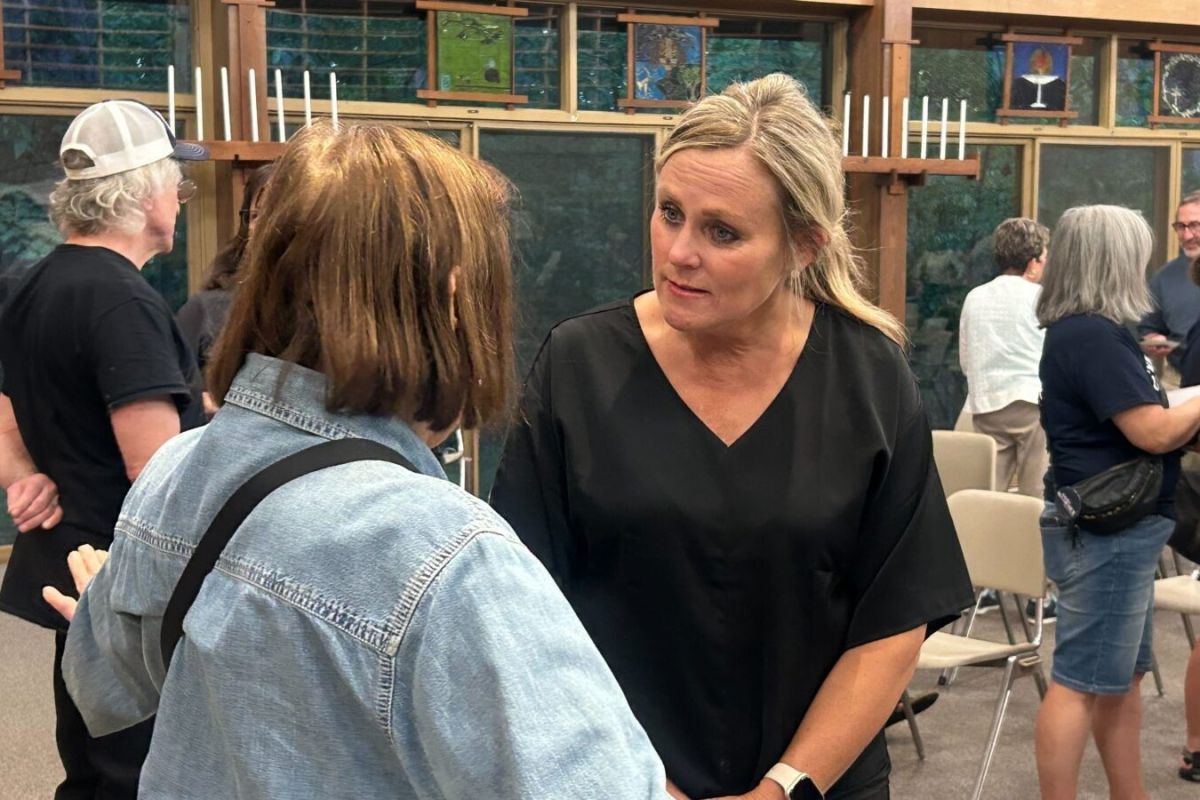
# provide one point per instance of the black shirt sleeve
(529, 490)
(134, 354)
(910, 568)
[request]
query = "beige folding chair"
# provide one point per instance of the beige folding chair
(1002, 543)
(1181, 594)
(964, 460)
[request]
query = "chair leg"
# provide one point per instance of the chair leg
(1187, 628)
(997, 721)
(1007, 625)
(911, 718)
(1158, 681)
(948, 674)
(1021, 616)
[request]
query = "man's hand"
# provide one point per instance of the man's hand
(84, 563)
(1156, 345)
(33, 502)
(766, 790)
(675, 791)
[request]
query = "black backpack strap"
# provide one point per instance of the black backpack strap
(239, 506)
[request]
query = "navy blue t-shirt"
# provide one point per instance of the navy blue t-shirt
(1091, 370)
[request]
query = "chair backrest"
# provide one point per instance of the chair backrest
(964, 460)
(1001, 540)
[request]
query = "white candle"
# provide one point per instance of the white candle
(962, 129)
(904, 131)
(225, 103)
(171, 96)
(925, 126)
(866, 125)
(945, 120)
(253, 106)
(887, 111)
(333, 97)
(846, 126)
(198, 88)
(279, 105)
(307, 100)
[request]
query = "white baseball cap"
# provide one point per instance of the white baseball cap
(120, 135)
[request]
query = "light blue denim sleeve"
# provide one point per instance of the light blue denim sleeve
(111, 664)
(500, 693)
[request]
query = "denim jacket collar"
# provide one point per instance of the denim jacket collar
(263, 381)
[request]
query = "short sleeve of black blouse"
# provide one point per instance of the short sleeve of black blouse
(909, 568)
(135, 354)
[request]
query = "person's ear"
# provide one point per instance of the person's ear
(453, 291)
(807, 245)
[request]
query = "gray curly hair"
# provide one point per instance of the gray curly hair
(113, 203)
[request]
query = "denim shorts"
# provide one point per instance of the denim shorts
(1105, 601)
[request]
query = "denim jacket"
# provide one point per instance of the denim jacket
(369, 632)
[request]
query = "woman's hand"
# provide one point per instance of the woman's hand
(33, 502)
(84, 563)
(766, 790)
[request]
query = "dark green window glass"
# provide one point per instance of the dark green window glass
(950, 225)
(99, 43)
(1075, 175)
(1135, 83)
(737, 50)
(969, 65)
(378, 50)
(579, 235)
(1191, 171)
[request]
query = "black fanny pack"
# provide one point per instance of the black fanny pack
(1114, 499)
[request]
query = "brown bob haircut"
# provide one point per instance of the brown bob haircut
(349, 273)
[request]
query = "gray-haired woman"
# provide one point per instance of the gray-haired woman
(1101, 406)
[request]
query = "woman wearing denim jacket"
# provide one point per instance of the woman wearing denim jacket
(370, 631)
(1101, 406)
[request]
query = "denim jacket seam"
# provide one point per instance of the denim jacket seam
(415, 590)
(256, 401)
(308, 600)
(337, 614)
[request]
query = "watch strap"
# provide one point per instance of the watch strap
(796, 784)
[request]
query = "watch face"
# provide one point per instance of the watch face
(805, 790)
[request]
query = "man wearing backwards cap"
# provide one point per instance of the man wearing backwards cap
(96, 377)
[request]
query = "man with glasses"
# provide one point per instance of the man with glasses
(1176, 297)
(96, 378)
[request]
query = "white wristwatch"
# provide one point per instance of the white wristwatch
(796, 784)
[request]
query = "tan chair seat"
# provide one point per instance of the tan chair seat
(945, 650)
(1180, 593)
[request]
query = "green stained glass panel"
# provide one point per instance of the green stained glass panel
(1191, 171)
(950, 225)
(579, 235)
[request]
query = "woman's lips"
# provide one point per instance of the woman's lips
(684, 291)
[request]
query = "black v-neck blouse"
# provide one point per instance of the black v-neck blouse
(722, 583)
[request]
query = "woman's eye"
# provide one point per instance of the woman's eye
(723, 235)
(670, 213)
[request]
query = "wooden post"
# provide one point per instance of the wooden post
(247, 50)
(880, 53)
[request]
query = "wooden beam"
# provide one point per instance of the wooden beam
(880, 55)
(471, 8)
(473, 97)
(663, 19)
(1162, 12)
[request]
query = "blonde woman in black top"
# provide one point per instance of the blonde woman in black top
(731, 475)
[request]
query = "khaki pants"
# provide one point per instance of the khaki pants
(1021, 455)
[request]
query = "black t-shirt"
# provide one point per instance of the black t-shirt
(83, 334)
(1091, 370)
(722, 583)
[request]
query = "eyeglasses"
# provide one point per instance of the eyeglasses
(186, 190)
(1191, 227)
